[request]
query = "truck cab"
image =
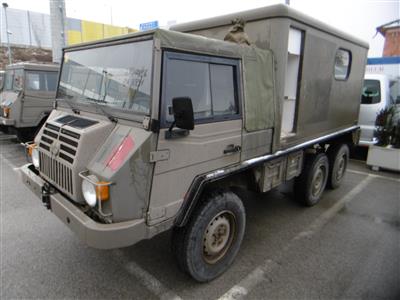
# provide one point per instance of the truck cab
(379, 91)
(27, 98)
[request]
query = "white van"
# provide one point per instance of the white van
(379, 91)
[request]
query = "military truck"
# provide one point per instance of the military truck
(158, 130)
(27, 98)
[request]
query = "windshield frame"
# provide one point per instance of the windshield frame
(92, 107)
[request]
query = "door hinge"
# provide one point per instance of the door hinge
(159, 155)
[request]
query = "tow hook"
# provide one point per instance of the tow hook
(47, 190)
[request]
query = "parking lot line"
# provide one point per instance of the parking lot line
(258, 275)
(148, 280)
(373, 175)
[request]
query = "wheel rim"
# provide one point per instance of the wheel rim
(318, 181)
(218, 236)
(341, 167)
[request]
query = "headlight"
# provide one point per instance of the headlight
(35, 157)
(89, 191)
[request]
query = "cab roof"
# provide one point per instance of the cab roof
(37, 66)
(172, 40)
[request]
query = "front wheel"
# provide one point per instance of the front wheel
(208, 244)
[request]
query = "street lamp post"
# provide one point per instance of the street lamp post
(5, 5)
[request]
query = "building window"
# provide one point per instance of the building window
(342, 64)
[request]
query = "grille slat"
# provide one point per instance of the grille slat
(57, 172)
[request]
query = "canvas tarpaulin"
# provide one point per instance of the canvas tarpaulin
(258, 72)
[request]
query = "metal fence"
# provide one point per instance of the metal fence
(33, 29)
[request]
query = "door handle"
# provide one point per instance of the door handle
(230, 149)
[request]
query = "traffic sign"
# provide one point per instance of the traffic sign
(148, 26)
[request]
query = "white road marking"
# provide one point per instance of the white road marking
(373, 175)
(148, 280)
(258, 275)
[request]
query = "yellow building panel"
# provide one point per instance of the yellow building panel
(110, 31)
(92, 31)
(74, 37)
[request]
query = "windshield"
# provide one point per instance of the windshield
(117, 76)
(13, 80)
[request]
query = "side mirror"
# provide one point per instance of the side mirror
(183, 113)
(183, 118)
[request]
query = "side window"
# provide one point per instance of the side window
(210, 82)
(342, 64)
(18, 79)
(223, 90)
(51, 79)
(371, 93)
(41, 81)
(32, 81)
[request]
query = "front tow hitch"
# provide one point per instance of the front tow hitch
(47, 190)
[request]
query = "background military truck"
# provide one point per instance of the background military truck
(27, 98)
(156, 130)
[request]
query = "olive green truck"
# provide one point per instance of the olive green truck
(157, 130)
(27, 97)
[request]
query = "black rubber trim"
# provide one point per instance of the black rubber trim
(71, 133)
(49, 133)
(67, 149)
(47, 140)
(67, 158)
(68, 141)
(45, 147)
(52, 127)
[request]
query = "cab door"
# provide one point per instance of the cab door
(39, 95)
(212, 83)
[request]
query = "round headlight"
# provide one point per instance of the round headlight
(35, 157)
(89, 191)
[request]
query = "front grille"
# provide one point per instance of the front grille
(68, 141)
(57, 172)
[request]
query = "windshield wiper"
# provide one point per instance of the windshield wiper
(107, 114)
(74, 109)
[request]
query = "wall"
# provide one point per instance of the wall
(24, 54)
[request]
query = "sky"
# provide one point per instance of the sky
(357, 17)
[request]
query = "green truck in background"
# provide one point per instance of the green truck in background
(27, 97)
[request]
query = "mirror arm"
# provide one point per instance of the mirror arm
(172, 126)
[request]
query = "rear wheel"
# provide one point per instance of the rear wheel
(311, 183)
(338, 157)
(208, 244)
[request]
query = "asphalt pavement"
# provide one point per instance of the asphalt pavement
(346, 247)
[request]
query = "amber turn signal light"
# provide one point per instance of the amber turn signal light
(30, 149)
(103, 191)
(6, 112)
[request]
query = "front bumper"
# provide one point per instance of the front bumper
(7, 122)
(96, 235)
